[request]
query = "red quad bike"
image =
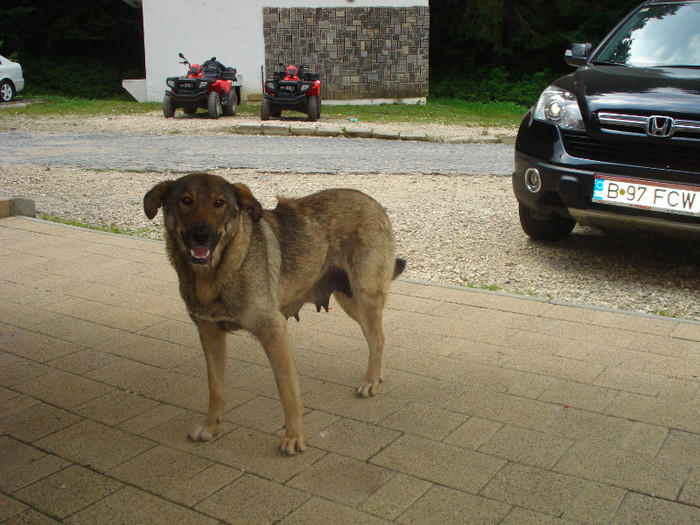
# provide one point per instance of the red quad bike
(211, 86)
(291, 88)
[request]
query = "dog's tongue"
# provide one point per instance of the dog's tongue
(201, 252)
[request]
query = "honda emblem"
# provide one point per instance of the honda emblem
(658, 126)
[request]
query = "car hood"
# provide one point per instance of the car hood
(670, 91)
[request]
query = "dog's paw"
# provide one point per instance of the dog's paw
(367, 389)
(202, 433)
(291, 445)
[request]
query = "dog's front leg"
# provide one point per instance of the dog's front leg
(276, 345)
(213, 340)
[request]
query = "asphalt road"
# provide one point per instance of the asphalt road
(181, 153)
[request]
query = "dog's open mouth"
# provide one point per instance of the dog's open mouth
(200, 255)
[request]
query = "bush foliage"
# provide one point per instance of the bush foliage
(480, 50)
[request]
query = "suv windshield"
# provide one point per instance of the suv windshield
(662, 35)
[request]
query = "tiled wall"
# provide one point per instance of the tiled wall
(365, 52)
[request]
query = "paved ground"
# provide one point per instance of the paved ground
(495, 409)
(148, 152)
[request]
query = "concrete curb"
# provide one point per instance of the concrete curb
(12, 206)
(361, 132)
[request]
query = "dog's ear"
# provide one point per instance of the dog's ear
(154, 198)
(247, 201)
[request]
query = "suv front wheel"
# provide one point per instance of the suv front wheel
(552, 229)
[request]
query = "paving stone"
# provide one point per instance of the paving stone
(68, 491)
(192, 490)
(534, 489)
(115, 407)
(353, 438)
(250, 499)
(595, 503)
(62, 389)
(159, 469)
(318, 510)
(444, 505)
(473, 433)
(99, 446)
(425, 421)
(395, 496)
(525, 446)
(130, 505)
(610, 465)
(439, 463)
(639, 508)
(341, 479)
(10, 507)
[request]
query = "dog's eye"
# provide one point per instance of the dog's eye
(219, 203)
(187, 201)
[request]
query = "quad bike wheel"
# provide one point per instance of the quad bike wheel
(265, 109)
(319, 105)
(232, 106)
(168, 107)
(312, 109)
(214, 105)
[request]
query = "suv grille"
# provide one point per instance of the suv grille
(655, 125)
(629, 144)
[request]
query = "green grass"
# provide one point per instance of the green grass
(110, 228)
(439, 111)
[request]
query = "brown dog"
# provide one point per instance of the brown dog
(242, 267)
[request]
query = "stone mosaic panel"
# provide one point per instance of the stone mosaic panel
(360, 52)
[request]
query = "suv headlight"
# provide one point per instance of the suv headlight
(560, 107)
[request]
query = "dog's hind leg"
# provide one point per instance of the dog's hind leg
(213, 340)
(366, 308)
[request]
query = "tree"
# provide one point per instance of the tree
(74, 47)
(517, 39)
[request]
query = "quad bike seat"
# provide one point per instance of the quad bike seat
(229, 73)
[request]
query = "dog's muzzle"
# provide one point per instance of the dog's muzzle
(200, 242)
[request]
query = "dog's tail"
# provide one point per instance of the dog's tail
(399, 267)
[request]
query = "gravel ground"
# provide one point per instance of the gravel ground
(460, 230)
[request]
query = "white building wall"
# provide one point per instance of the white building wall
(231, 30)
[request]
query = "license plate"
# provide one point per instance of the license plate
(647, 195)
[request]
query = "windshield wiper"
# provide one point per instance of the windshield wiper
(608, 63)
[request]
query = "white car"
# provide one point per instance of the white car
(11, 79)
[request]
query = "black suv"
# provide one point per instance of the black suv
(616, 144)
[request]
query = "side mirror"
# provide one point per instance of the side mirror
(577, 54)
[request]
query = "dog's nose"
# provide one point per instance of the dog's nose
(201, 235)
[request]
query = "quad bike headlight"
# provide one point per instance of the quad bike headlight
(202, 83)
(270, 86)
(560, 107)
(305, 87)
(170, 82)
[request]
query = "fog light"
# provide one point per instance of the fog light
(533, 181)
